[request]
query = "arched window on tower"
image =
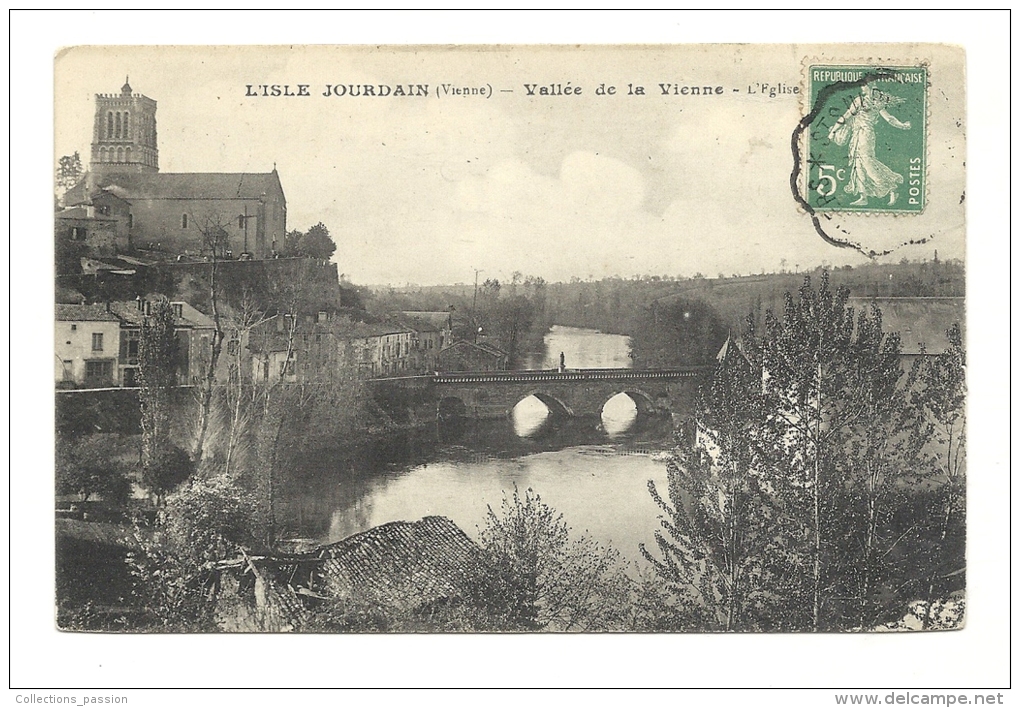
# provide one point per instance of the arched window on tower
(120, 154)
(116, 122)
(109, 124)
(127, 124)
(127, 154)
(184, 221)
(102, 154)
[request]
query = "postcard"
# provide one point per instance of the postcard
(502, 339)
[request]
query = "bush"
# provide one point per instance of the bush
(203, 522)
(167, 469)
(546, 579)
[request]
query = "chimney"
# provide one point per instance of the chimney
(107, 305)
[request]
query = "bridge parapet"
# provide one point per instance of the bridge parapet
(555, 376)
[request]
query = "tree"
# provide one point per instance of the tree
(676, 332)
(941, 398)
(166, 469)
(89, 466)
(823, 380)
(796, 508)
(158, 363)
(68, 254)
(291, 246)
(547, 579)
(215, 241)
(315, 243)
(723, 552)
(879, 466)
(242, 391)
(509, 320)
(69, 171)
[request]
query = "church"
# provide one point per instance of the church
(167, 215)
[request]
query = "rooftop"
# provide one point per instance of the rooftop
(84, 313)
(409, 564)
(81, 212)
(129, 312)
(484, 347)
(377, 329)
(920, 321)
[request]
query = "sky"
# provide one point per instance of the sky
(428, 190)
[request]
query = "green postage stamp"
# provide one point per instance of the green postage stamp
(866, 141)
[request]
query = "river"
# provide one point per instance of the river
(594, 472)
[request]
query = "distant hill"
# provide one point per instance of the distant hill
(616, 305)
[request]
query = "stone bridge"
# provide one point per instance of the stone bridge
(577, 392)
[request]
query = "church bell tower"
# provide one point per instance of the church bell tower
(124, 133)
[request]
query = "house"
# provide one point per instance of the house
(435, 332)
(102, 233)
(304, 347)
(194, 330)
(381, 349)
(87, 343)
(98, 345)
(407, 570)
(470, 356)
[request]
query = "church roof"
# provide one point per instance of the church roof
(189, 185)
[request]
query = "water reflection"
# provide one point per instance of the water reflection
(594, 471)
(582, 349)
(598, 492)
(458, 470)
(619, 414)
(530, 416)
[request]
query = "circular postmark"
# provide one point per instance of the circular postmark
(861, 151)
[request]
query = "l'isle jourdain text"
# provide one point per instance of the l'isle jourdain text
(536, 90)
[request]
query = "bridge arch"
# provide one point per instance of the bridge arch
(450, 407)
(557, 408)
(645, 403)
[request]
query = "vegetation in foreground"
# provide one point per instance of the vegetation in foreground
(825, 492)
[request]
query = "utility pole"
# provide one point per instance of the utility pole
(474, 306)
(474, 300)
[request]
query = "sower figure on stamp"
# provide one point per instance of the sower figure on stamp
(869, 177)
